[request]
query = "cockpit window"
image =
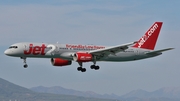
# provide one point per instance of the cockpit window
(13, 47)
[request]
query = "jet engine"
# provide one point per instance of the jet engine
(60, 62)
(82, 57)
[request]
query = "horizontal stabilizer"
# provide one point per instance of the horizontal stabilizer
(159, 51)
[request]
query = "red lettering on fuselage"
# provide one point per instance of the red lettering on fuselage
(35, 50)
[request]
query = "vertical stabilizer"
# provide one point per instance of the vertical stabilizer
(148, 41)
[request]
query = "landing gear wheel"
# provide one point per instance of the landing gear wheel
(25, 66)
(81, 69)
(95, 67)
(92, 66)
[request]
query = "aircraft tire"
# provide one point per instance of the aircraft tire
(83, 70)
(96, 67)
(79, 68)
(92, 66)
(25, 66)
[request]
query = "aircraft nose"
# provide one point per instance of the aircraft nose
(7, 52)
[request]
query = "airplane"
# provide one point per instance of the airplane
(64, 54)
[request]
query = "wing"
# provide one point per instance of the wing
(100, 53)
(159, 51)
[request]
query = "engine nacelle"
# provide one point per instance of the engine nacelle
(82, 57)
(60, 62)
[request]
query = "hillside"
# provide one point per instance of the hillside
(10, 91)
(163, 94)
(65, 91)
(166, 92)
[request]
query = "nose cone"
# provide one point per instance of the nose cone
(7, 52)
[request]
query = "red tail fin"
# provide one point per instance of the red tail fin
(148, 41)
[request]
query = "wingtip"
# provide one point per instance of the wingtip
(171, 48)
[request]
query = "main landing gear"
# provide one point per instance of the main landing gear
(84, 69)
(95, 67)
(24, 61)
(81, 68)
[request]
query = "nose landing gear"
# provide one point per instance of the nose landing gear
(24, 61)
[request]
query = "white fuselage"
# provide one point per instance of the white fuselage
(65, 51)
